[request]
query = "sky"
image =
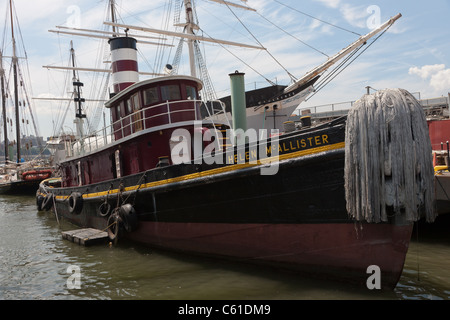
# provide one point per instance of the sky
(414, 54)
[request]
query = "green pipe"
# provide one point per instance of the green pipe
(238, 105)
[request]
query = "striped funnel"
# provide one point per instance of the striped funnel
(124, 62)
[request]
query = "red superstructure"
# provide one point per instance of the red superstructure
(144, 116)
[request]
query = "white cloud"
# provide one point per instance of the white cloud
(426, 71)
(441, 80)
(437, 75)
(356, 16)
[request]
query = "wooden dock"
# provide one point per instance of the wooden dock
(85, 237)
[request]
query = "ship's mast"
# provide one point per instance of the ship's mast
(5, 129)
(189, 29)
(16, 94)
(113, 16)
(79, 115)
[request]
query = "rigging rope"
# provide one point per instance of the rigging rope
(245, 63)
(293, 78)
(308, 15)
(334, 73)
(291, 35)
(159, 56)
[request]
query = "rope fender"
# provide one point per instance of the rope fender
(388, 158)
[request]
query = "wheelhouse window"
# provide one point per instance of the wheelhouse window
(191, 93)
(170, 92)
(136, 102)
(129, 107)
(151, 96)
(117, 108)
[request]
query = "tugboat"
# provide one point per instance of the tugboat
(171, 173)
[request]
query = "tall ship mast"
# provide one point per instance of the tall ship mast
(3, 92)
(16, 93)
(23, 176)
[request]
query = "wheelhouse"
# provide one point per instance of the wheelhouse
(153, 103)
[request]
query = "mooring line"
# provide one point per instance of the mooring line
(54, 207)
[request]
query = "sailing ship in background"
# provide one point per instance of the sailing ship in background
(280, 200)
(21, 176)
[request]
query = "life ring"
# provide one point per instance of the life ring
(104, 209)
(36, 175)
(39, 201)
(47, 202)
(129, 217)
(75, 202)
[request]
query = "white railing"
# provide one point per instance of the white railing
(138, 121)
(342, 108)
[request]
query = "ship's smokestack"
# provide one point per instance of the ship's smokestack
(124, 62)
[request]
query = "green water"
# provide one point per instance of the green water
(35, 264)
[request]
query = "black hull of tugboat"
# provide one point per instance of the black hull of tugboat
(295, 219)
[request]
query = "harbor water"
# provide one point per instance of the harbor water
(37, 264)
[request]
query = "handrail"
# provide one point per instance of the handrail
(128, 125)
(346, 105)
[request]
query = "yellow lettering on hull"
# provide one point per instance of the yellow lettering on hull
(310, 142)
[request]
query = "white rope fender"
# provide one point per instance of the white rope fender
(388, 158)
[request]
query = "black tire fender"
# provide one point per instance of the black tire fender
(39, 201)
(75, 202)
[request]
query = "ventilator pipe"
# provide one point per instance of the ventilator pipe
(238, 106)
